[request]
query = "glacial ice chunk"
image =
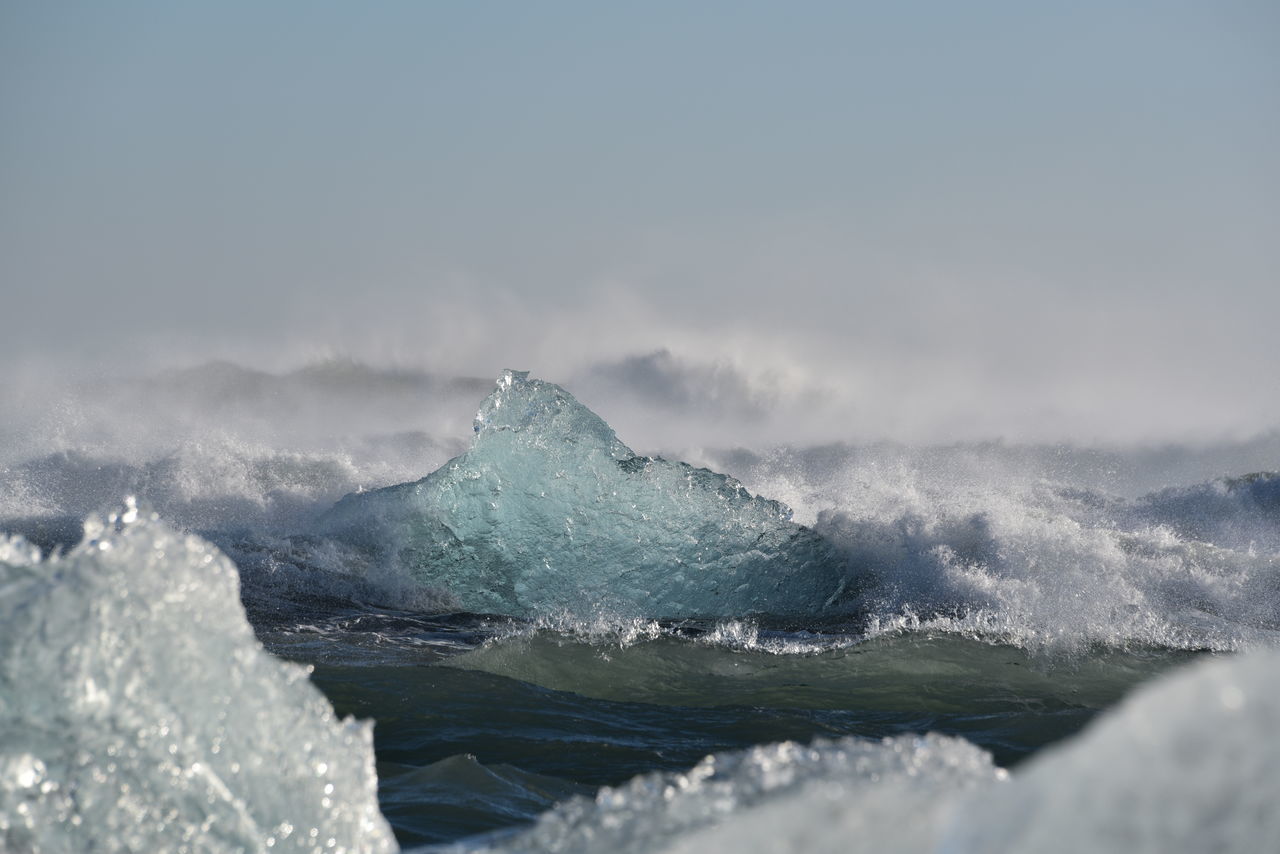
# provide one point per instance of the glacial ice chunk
(139, 713)
(549, 512)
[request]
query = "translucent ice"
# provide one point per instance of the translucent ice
(139, 713)
(549, 512)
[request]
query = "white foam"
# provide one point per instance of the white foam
(983, 541)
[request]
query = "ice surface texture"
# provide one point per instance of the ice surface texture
(895, 783)
(139, 713)
(549, 512)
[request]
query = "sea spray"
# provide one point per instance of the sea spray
(1004, 593)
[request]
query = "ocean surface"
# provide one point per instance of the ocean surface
(339, 610)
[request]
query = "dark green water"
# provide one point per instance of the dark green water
(491, 737)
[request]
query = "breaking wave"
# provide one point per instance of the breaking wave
(549, 514)
(642, 610)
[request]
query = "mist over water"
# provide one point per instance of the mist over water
(660, 398)
(1019, 587)
(991, 536)
(900, 463)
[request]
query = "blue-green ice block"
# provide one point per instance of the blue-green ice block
(549, 513)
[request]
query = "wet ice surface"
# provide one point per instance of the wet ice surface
(549, 512)
(139, 713)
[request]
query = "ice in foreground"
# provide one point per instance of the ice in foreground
(1186, 766)
(549, 512)
(139, 713)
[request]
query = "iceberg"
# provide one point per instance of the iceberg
(138, 712)
(550, 513)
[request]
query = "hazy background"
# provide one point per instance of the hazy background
(925, 220)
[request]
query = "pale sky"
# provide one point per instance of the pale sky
(943, 219)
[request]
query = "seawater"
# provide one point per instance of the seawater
(925, 665)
